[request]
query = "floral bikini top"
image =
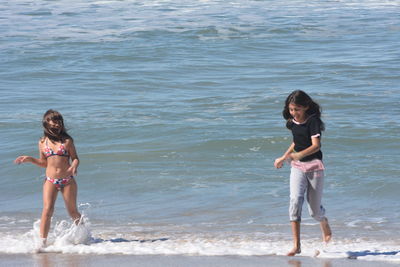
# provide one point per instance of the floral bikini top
(48, 152)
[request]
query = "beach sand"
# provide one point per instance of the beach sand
(73, 260)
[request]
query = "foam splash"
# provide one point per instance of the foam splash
(64, 234)
(76, 233)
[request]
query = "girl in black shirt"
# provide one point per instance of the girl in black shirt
(303, 119)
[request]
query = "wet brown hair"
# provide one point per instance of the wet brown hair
(55, 135)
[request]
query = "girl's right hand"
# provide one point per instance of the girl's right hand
(279, 162)
(22, 159)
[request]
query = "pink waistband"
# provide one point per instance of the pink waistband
(308, 166)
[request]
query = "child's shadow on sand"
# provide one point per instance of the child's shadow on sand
(122, 240)
(356, 254)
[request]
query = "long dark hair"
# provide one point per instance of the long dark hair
(55, 135)
(300, 98)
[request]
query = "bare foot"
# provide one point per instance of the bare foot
(41, 245)
(79, 221)
(295, 263)
(294, 251)
(326, 231)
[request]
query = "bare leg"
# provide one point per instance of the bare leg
(69, 193)
(296, 239)
(49, 199)
(326, 231)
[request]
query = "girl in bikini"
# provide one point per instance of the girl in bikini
(58, 155)
(302, 117)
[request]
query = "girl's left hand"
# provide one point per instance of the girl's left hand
(73, 170)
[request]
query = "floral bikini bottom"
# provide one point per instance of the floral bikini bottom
(60, 183)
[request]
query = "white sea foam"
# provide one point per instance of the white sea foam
(78, 240)
(71, 238)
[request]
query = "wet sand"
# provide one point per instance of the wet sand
(74, 260)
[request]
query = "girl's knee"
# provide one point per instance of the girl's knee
(48, 211)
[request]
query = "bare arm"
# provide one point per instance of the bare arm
(74, 157)
(41, 161)
(315, 147)
(279, 161)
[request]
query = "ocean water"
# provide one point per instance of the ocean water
(175, 109)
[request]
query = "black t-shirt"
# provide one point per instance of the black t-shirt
(302, 133)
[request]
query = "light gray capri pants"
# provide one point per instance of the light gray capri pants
(300, 183)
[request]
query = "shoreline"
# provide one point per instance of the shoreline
(53, 259)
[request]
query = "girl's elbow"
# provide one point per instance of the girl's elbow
(43, 165)
(316, 148)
